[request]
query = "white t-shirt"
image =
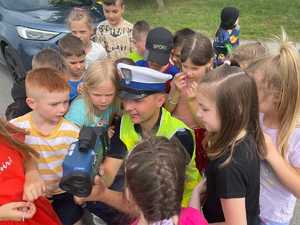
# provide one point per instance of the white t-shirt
(277, 203)
(97, 52)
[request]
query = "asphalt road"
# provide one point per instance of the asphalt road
(5, 99)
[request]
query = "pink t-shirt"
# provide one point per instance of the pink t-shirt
(188, 216)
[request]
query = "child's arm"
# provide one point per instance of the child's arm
(110, 168)
(288, 175)
(34, 185)
(17, 211)
(177, 86)
(198, 195)
(191, 93)
(112, 198)
(114, 157)
(234, 210)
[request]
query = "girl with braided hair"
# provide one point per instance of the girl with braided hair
(154, 175)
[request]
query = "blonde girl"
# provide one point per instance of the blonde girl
(278, 81)
(80, 24)
(96, 107)
(98, 102)
(228, 109)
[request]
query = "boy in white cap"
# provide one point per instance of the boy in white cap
(143, 95)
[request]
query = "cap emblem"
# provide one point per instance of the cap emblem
(127, 75)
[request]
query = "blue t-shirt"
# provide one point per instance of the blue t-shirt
(171, 69)
(74, 86)
(78, 114)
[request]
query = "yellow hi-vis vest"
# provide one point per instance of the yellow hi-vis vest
(167, 128)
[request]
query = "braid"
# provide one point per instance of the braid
(170, 190)
(155, 176)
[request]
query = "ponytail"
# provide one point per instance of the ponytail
(289, 99)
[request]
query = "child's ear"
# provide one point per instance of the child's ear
(31, 102)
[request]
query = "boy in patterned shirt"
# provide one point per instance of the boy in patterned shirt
(115, 33)
(50, 134)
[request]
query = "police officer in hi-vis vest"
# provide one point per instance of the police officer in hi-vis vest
(142, 91)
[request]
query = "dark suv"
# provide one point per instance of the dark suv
(27, 26)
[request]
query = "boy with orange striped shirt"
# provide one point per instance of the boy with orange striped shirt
(50, 134)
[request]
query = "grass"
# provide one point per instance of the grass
(259, 19)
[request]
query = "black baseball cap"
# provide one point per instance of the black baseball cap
(229, 15)
(159, 45)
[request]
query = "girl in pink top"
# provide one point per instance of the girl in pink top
(154, 175)
(196, 58)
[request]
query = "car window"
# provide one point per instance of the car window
(29, 5)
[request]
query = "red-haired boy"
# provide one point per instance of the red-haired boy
(50, 134)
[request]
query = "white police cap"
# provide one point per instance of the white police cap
(139, 82)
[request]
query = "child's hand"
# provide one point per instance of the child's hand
(17, 211)
(271, 150)
(34, 186)
(191, 91)
(180, 81)
(199, 195)
(111, 131)
(97, 190)
(80, 88)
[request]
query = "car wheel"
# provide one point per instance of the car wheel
(13, 64)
